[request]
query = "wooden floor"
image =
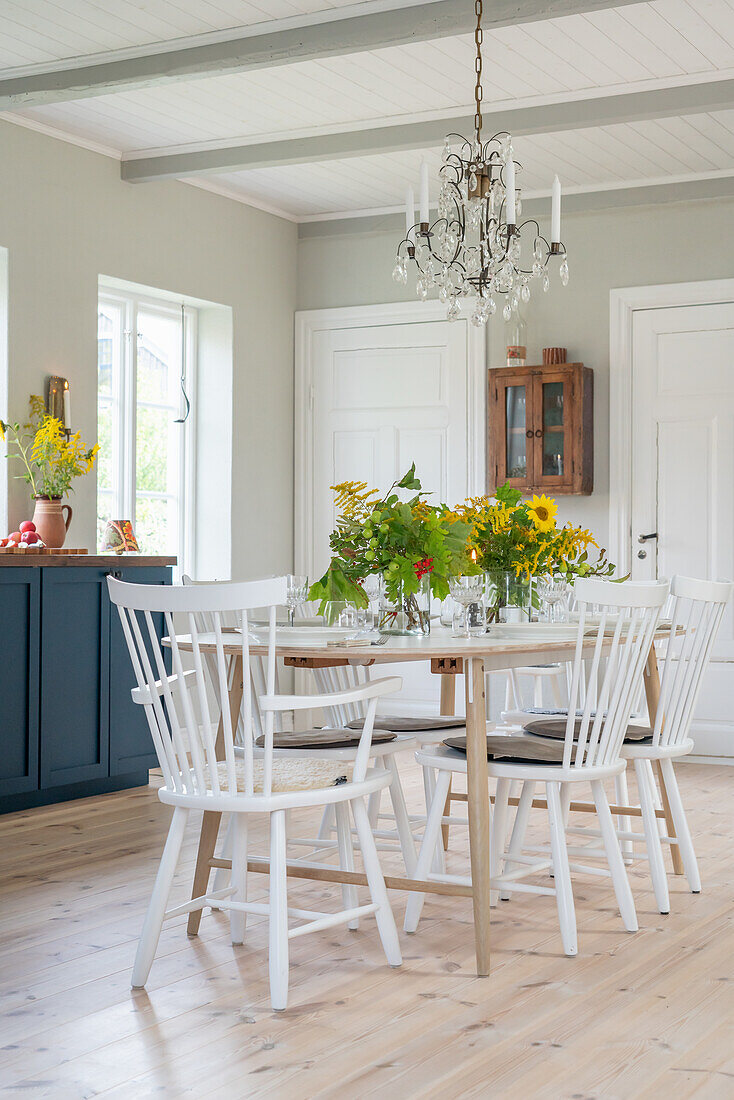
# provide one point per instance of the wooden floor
(645, 1015)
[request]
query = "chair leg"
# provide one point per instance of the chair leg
(621, 797)
(207, 844)
(519, 828)
(238, 919)
(445, 825)
(222, 875)
(429, 846)
(561, 870)
(498, 833)
(159, 898)
(620, 881)
(346, 857)
(278, 961)
(402, 821)
(652, 838)
(373, 808)
(378, 892)
(438, 863)
(683, 833)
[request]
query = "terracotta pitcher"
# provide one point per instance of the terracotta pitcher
(51, 523)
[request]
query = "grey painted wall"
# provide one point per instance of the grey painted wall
(678, 242)
(65, 219)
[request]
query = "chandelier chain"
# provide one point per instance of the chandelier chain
(478, 38)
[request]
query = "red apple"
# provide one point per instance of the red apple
(27, 525)
(15, 537)
(3, 542)
(30, 538)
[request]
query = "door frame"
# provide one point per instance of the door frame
(312, 321)
(623, 303)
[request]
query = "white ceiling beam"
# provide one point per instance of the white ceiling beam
(328, 34)
(603, 198)
(573, 114)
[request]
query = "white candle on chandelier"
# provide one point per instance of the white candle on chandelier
(556, 212)
(424, 192)
(409, 212)
(510, 191)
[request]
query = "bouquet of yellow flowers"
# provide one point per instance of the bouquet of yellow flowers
(522, 537)
(51, 460)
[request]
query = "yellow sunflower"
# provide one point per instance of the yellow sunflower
(542, 511)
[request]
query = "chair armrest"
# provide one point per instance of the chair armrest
(369, 690)
(144, 695)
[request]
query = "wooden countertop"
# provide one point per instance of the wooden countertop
(112, 561)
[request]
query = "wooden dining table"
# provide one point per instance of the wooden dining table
(448, 657)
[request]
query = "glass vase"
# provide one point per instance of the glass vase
(409, 613)
(508, 598)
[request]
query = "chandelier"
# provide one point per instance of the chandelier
(478, 248)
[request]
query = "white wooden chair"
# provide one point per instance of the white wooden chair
(696, 613)
(589, 753)
(203, 772)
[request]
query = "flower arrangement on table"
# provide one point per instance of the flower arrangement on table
(412, 543)
(51, 460)
(509, 535)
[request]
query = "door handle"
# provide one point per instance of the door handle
(646, 538)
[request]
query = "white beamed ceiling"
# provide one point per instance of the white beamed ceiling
(645, 45)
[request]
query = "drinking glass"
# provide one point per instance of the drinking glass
(467, 591)
(296, 593)
(554, 590)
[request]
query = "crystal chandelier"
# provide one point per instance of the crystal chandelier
(477, 248)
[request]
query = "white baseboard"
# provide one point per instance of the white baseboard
(727, 761)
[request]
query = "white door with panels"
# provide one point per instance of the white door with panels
(384, 387)
(682, 504)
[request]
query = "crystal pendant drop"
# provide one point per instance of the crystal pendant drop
(525, 293)
(507, 311)
(563, 271)
(546, 282)
(453, 311)
(491, 307)
(400, 274)
(421, 290)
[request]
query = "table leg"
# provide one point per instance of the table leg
(478, 805)
(652, 693)
(447, 706)
(210, 821)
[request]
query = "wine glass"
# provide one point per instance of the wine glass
(295, 595)
(467, 591)
(554, 590)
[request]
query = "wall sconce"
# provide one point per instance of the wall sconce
(58, 401)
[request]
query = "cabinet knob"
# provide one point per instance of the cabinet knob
(529, 433)
(538, 433)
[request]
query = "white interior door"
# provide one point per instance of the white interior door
(385, 392)
(683, 473)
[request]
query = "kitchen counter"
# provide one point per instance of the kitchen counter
(98, 561)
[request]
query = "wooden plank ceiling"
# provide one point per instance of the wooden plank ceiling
(630, 50)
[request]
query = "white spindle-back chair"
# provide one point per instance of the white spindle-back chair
(203, 770)
(696, 611)
(621, 638)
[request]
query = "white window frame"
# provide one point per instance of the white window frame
(124, 406)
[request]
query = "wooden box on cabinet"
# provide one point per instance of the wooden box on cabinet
(541, 428)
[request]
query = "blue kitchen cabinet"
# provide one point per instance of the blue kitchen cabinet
(68, 726)
(20, 621)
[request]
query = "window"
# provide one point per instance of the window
(145, 465)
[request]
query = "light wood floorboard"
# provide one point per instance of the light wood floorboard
(632, 1016)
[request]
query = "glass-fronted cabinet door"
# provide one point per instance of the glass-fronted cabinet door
(553, 429)
(511, 432)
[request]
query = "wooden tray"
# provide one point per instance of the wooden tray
(41, 550)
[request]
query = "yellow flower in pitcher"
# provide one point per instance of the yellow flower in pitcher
(542, 511)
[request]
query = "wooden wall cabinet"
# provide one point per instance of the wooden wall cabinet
(541, 428)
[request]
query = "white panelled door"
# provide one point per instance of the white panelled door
(386, 386)
(683, 474)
